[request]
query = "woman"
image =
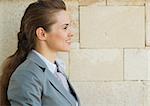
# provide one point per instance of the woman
(33, 75)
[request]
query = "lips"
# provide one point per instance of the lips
(68, 41)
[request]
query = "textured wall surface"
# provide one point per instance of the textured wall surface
(109, 61)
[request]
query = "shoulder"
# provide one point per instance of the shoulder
(25, 85)
(28, 70)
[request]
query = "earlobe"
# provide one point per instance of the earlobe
(40, 33)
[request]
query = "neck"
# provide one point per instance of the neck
(48, 54)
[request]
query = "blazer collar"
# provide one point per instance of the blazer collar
(36, 59)
(52, 79)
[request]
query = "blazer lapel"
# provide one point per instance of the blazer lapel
(52, 79)
(59, 87)
(73, 91)
(62, 68)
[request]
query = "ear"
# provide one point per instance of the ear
(41, 33)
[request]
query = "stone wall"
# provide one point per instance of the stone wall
(109, 61)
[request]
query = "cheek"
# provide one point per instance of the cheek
(60, 37)
(58, 40)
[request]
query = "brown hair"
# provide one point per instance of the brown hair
(37, 14)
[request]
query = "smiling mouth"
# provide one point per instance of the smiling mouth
(68, 41)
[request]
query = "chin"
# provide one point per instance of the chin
(65, 50)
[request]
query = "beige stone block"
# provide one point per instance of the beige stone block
(92, 2)
(72, 8)
(136, 64)
(148, 98)
(111, 93)
(147, 93)
(126, 2)
(94, 65)
(112, 27)
(147, 25)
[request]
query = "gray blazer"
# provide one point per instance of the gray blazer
(32, 84)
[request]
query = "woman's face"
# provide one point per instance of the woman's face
(60, 36)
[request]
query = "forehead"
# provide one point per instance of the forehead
(62, 17)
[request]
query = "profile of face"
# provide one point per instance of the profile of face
(60, 36)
